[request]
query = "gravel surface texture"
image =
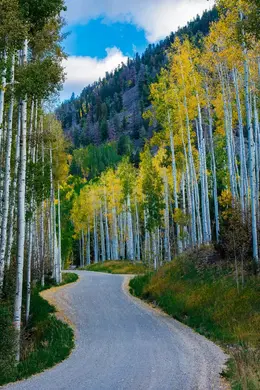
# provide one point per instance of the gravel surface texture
(123, 344)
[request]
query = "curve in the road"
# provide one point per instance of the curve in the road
(122, 345)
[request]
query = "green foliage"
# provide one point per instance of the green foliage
(10, 16)
(117, 267)
(203, 296)
(151, 187)
(252, 22)
(124, 146)
(138, 284)
(104, 130)
(127, 175)
(94, 160)
(69, 277)
(7, 345)
(37, 12)
(40, 78)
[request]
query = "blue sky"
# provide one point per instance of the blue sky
(103, 33)
(125, 36)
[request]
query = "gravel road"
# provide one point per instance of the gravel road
(122, 344)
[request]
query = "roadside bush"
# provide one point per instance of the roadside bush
(7, 344)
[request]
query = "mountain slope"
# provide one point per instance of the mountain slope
(113, 106)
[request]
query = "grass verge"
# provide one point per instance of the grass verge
(205, 298)
(46, 340)
(117, 267)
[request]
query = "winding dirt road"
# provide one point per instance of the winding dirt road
(122, 344)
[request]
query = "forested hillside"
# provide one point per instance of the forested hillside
(114, 106)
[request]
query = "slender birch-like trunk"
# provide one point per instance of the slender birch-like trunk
(2, 97)
(28, 281)
(88, 246)
(108, 248)
(115, 236)
(21, 218)
(167, 248)
(130, 242)
(174, 176)
(251, 161)
(121, 236)
(102, 236)
(214, 169)
(52, 222)
(243, 170)
(7, 179)
(96, 257)
(10, 236)
(138, 254)
(155, 251)
(55, 241)
(82, 249)
(257, 143)
(59, 237)
(42, 213)
(228, 129)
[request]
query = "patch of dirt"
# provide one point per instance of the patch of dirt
(58, 297)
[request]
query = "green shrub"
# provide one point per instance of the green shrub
(7, 345)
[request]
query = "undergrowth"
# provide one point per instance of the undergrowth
(205, 297)
(46, 340)
(117, 267)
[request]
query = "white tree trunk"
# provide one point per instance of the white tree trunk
(21, 218)
(59, 237)
(42, 257)
(2, 97)
(102, 236)
(96, 254)
(167, 248)
(28, 281)
(138, 254)
(7, 179)
(251, 159)
(115, 235)
(88, 246)
(174, 176)
(14, 190)
(130, 241)
(108, 248)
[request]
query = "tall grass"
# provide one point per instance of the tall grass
(117, 267)
(205, 297)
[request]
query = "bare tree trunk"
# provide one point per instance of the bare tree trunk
(130, 242)
(21, 218)
(7, 179)
(2, 97)
(59, 236)
(14, 190)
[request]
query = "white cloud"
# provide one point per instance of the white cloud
(81, 71)
(157, 17)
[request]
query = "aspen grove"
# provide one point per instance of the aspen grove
(199, 169)
(32, 154)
